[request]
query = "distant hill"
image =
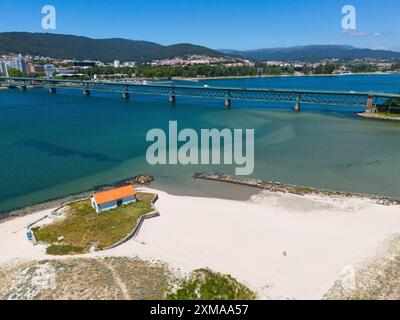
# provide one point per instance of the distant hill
(313, 53)
(76, 47)
(107, 50)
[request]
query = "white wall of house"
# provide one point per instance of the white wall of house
(112, 204)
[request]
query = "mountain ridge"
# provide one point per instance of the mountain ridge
(107, 50)
(313, 52)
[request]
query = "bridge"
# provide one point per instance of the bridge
(369, 100)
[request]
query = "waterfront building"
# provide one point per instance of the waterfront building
(114, 198)
(49, 70)
(117, 64)
(19, 63)
(3, 68)
(85, 63)
(130, 64)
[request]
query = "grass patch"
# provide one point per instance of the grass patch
(82, 226)
(62, 250)
(205, 284)
(388, 115)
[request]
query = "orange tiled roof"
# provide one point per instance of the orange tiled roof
(114, 194)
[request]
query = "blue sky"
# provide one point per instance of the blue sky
(215, 23)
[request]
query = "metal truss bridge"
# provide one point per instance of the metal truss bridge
(369, 100)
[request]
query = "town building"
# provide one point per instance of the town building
(49, 70)
(86, 63)
(19, 63)
(114, 198)
(3, 68)
(130, 64)
(117, 64)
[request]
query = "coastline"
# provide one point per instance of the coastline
(281, 76)
(255, 183)
(278, 238)
(377, 116)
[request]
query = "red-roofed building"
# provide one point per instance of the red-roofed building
(114, 198)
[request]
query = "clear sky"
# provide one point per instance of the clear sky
(219, 24)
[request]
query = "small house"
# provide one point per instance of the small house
(114, 198)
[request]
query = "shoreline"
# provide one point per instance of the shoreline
(278, 238)
(259, 184)
(278, 76)
(377, 116)
(293, 189)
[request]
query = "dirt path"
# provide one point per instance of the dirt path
(118, 280)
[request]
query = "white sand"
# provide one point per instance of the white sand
(320, 236)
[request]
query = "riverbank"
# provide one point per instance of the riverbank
(281, 76)
(278, 239)
(379, 116)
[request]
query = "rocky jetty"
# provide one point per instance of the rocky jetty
(289, 188)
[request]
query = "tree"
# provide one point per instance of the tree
(12, 72)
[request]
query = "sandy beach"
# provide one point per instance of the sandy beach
(283, 246)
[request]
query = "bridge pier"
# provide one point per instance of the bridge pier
(125, 95)
(52, 90)
(172, 99)
(86, 92)
(370, 104)
(228, 103)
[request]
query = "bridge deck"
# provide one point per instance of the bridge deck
(340, 98)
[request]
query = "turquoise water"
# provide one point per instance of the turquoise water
(53, 145)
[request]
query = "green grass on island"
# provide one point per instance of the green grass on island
(82, 226)
(388, 115)
(382, 115)
(205, 284)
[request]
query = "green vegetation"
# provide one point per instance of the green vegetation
(317, 53)
(62, 250)
(362, 68)
(205, 284)
(81, 48)
(82, 226)
(147, 71)
(325, 68)
(395, 66)
(388, 115)
(393, 107)
(394, 102)
(115, 278)
(14, 73)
